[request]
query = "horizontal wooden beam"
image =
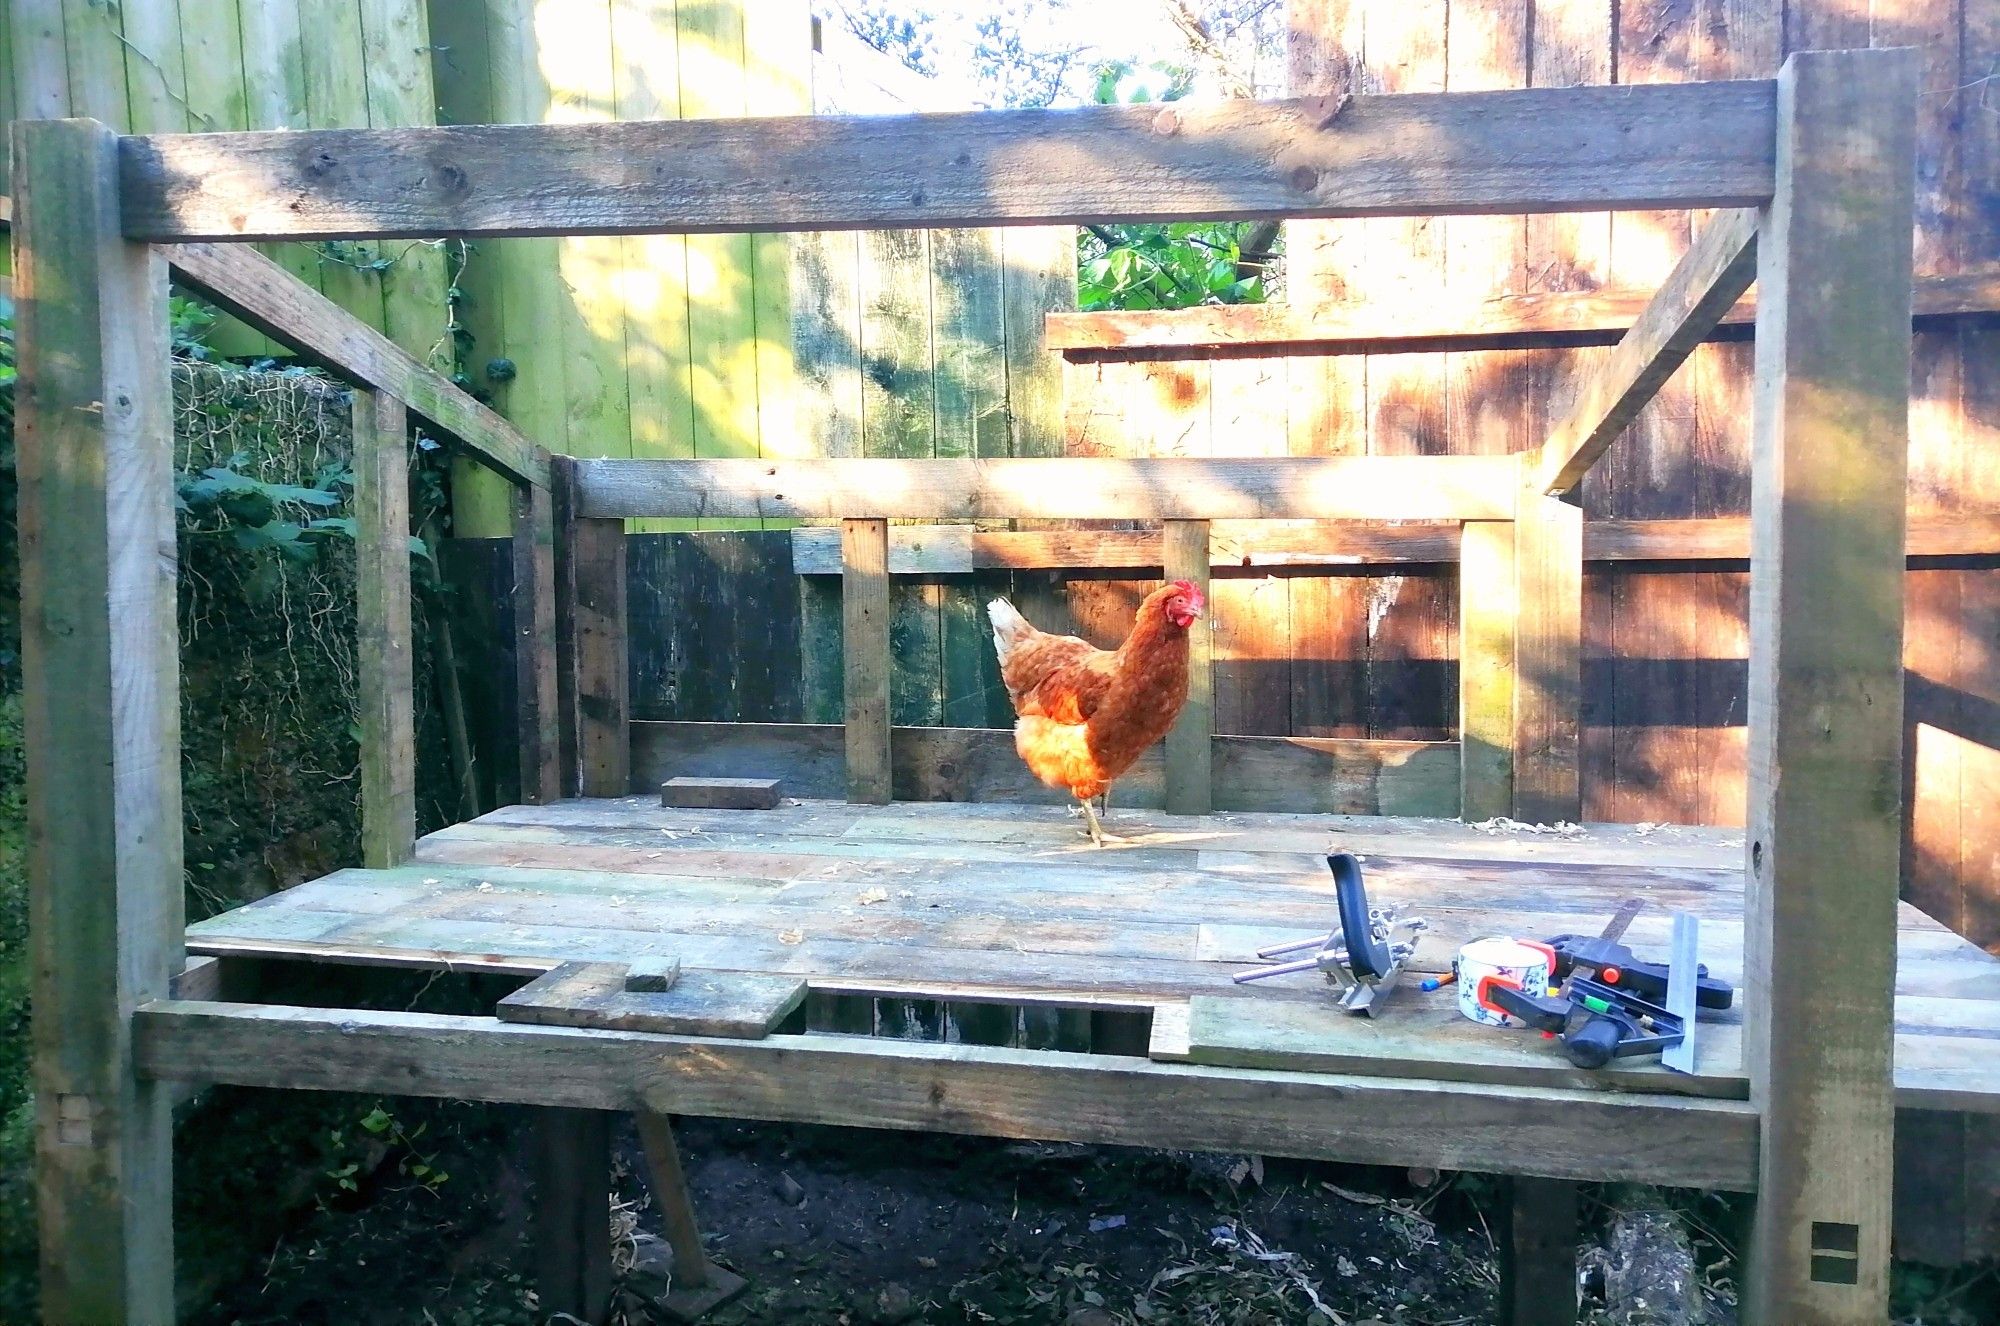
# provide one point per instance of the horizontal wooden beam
(1069, 488)
(965, 1089)
(1716, 270)
(1297, 775)
(1435, 154)
(1507, 322)
(269, 298)
(1278, 545)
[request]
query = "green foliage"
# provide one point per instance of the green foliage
(1177, 264)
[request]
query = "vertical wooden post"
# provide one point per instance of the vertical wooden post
(101, 713)
(864, 648)
(1548, 659)
(1828, 461)
(1190, 743)
(1488, 604)
(1537, 1237)
(535, 694)
(573, 1213)
(590, 584)
(382, 629)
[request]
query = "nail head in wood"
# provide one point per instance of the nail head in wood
(720, 793)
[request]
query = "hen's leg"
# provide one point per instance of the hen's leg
(1090, 817)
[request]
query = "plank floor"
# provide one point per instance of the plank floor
(969, 906)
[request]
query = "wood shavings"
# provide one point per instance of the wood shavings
(793, 936)
(1502, 824)
(873, 896)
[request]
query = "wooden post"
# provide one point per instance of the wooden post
(590, 585)
(573, 1213)
(1537, 1237)
(101, 713)
(699, 1285)
(1828, 462)
(1548, 658)
(382, 630)
(1184, 550)
(1488, 605)
(537, 714)
(864, 647)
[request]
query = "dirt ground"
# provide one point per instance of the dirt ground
(423, 1216)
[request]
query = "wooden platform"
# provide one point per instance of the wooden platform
(978, 906)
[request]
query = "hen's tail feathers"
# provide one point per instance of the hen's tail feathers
(1009, 626)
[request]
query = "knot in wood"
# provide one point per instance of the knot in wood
(1167, 123)
(1305, 179)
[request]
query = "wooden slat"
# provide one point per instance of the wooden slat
(1504, 322)
(383, 660)
(1376, 156)
(978, 1090)
(244, 282)
(1096, 488)
(1548, 660)
(1716, 270)
(1184, 544)
(1487, 609)
(100, 706)
(1304, 775)
(939, 550)
(1829, 457)
(590, 637)
(538, 717)
(864, 611)
(747, 1005)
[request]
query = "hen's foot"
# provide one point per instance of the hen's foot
(1096, 829)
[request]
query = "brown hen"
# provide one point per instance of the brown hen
(1087, 714)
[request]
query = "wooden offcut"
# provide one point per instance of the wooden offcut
(100, 711)
(652, 975)
(864, 646)
(383, 661)
(720, 793)
(746, 1005)
(1717, 269)
(1829, 457)
(1378, 156)
(1066, 488)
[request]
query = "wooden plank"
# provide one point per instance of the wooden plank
(1547, 319)
(1425, 1036)
(538, 714)
(745, 1005)
(1487, 612)
(1548, 660)
(383, 661)
(1715, 271)
(1299, 775)
(1439, 154)
(260, 292)
(965, 1089)
(1190, 741)
(720, 793)
(396, 53)
(864, 546)
(590, 631)
(572, 1224)
(1829, 459)
(1067, 488)
(100, 706)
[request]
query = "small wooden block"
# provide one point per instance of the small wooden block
(740, 1005)
(720, 793)
(652, 975)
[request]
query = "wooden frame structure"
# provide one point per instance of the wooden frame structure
(1819, 159)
